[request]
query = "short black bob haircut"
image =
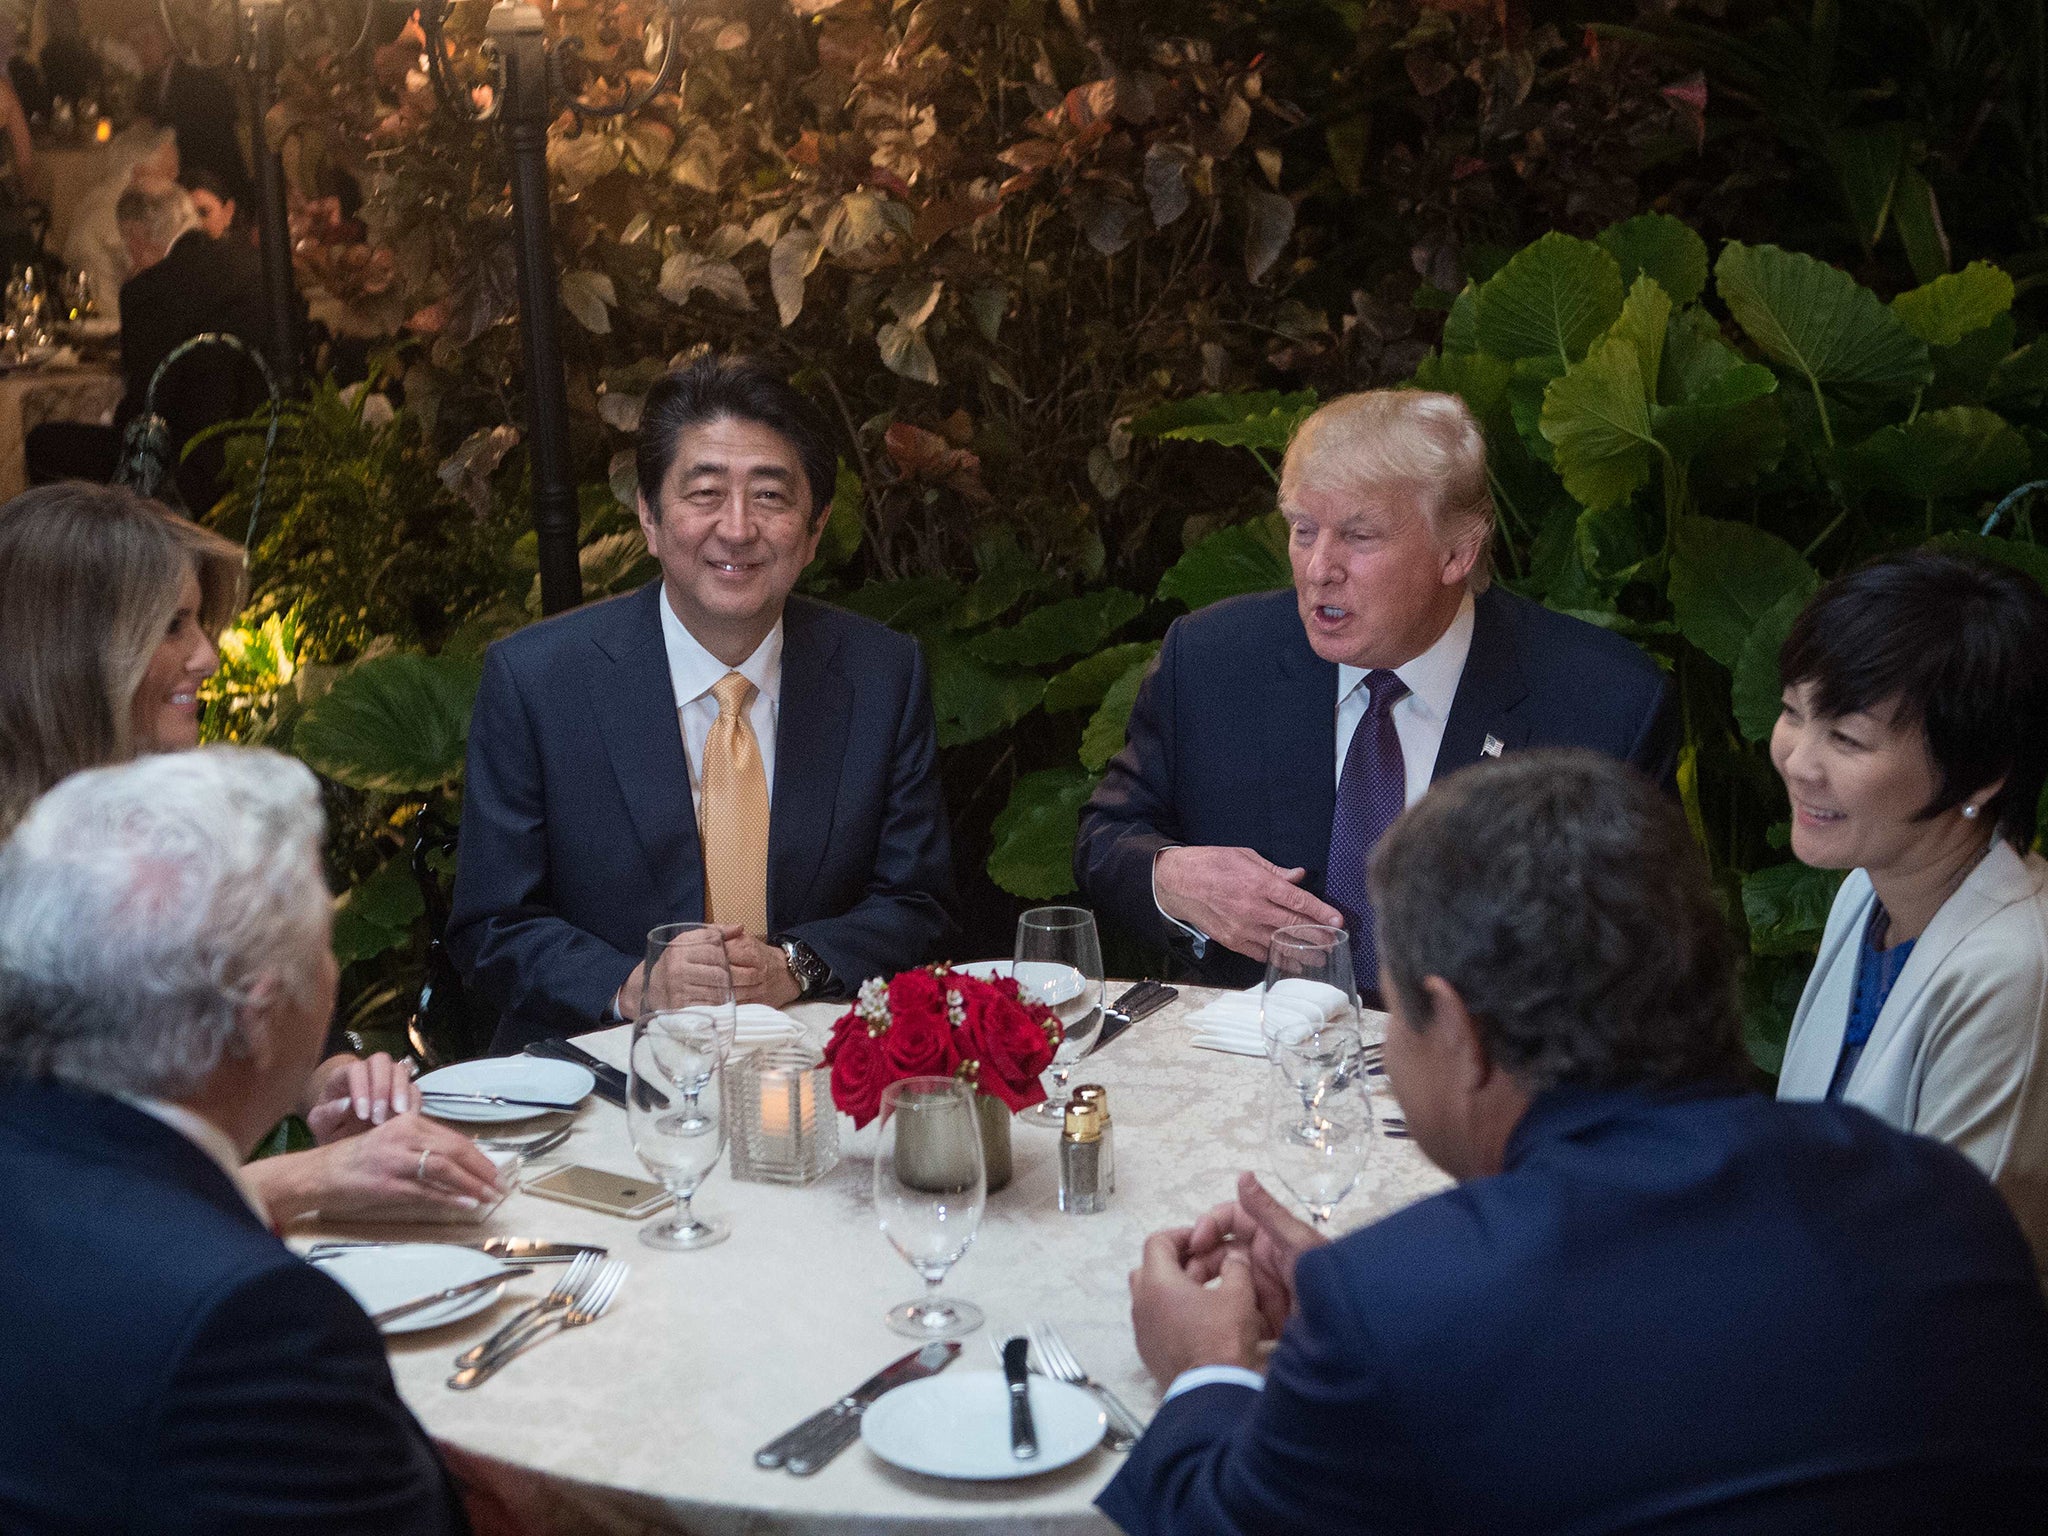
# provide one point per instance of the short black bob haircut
(1961, 645)
(731, 389)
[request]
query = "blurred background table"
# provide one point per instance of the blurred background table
(31, 396)
(648, 1420)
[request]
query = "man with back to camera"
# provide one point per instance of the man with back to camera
(1654, 1302)
(709, 748)
(1280, 733)
(166, 981)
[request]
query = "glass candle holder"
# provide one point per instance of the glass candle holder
(783, 1127)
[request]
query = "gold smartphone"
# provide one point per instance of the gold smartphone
(616, 1194)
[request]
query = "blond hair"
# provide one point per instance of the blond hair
(90, 577)
(1402, 439)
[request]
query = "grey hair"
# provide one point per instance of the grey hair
(144, 907)
(1562, 897)
(161, 213)
(1403, 439)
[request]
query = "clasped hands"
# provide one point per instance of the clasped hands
(1219, 1292)
(1235, 896)
(693, 970)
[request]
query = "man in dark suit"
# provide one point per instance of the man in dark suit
(1280, 733)
(707, 749)
(165, 985)
(1655, 1302)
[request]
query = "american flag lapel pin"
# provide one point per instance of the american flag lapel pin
(1490, 747)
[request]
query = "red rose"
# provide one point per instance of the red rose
(919, 1039)
(919, 996)
(860, 1069)
(1014, 1042)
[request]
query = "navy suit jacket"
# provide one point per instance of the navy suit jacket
(1233, 742)
(172, 1367)
(579, 834)
(1672, 1314)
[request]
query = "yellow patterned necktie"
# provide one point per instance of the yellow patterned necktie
(733, 820)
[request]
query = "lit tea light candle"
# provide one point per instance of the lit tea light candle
(104, 130)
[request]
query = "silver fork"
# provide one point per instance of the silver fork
(1124, 1426)
(564, 1292)
(587, 1308)
(529, 1147)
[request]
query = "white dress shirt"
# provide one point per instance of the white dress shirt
(208, 1138)
(1419, 720)
(694, 672)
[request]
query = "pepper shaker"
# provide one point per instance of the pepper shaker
(1081, 1161)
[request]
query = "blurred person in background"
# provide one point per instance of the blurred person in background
(108, 634)
(1913, 743)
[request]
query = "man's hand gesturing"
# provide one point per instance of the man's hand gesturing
(1235, 896)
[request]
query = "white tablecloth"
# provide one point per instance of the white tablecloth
(648, 1420)
(31, 396)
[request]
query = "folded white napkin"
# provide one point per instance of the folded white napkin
(761, 1025)
(1232, 1022)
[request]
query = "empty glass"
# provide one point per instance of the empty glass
(1308, 980)
(1059, 964)
(930, 1185)
(1318, 1155)
(676, 1119)
(685, 981)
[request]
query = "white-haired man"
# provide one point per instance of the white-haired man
(1280, 734)
(165, 985)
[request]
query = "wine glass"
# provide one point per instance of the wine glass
(1308, 980)
(1059, 964)
(687, 982)
(930, 1185)
(1316, 1058)
(680, 1143)
(1319, 1155)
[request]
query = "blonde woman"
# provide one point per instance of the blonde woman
(112, 606)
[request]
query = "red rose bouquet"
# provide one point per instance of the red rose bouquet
(936, 1022)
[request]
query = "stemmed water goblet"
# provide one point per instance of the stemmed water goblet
(687, 983)
(1059, 964)
(1320, 1152)
(675, 1057)
(930, 1185)
(1308, 979)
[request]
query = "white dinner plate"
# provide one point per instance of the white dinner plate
(384, 1277)
(561, 1084)
(958, 1425)
(1044, 981)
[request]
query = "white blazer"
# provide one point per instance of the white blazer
(1960, 1049)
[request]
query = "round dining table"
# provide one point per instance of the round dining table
(648, 1419)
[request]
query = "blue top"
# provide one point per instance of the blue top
(1877, 969)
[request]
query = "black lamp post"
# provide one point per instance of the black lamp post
(516, 36)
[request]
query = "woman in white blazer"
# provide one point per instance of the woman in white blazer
(1913, 744)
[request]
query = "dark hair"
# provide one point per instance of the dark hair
(1962, 645)
(1563, 898)
(199, 179)
(737, 389)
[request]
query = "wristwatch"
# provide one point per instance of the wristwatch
(810, 972)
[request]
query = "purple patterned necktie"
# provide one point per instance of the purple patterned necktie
(1371, 792)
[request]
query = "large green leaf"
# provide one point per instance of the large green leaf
(1083, 684)
(1478, 379)
(842, 524)
(1659, 246)
(1033, 856)
(974, 701)
(2031, 558)
(1964, 450)
(1712, 400)
(1263, 419)
(1104, 737)
(1552, 300)
(377, 914)
(909, 604)
(1245, 557)
(1787, 906)
(1598, 419)
(1943, 312)
(1818, 321)
(1757, 689)
(394, 725)
(1644, 319)
(1725, 577)
(1059, 630)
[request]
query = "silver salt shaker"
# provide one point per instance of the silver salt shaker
(1081, 1183)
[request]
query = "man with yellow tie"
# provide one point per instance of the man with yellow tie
(706, 749)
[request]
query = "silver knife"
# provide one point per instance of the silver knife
(806, 1448)
(469, 1287)
(1017, 1375)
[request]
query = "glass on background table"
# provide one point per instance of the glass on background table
(648, 1419)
